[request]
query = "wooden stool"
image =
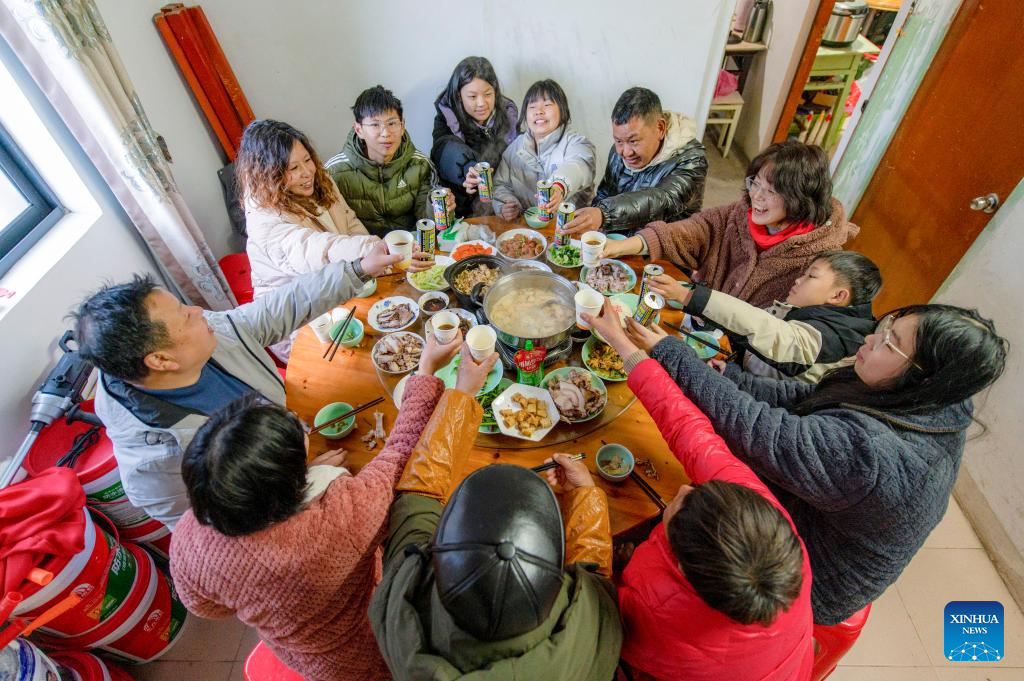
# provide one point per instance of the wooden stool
(728, 109)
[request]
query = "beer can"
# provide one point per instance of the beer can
(486, 175)
(543, 198)
(649, 307)
(650, 271)
(426, 236)
(441, 218)
(566, 212)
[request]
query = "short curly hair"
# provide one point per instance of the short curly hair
(799, 173)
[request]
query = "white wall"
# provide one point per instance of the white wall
(95, 242)
(771, 73)
(305, 62)
(991, 484)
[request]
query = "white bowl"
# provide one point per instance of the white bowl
(504, 401)
(432, 295)
(533, 234)
(381, 305)
(377, 345)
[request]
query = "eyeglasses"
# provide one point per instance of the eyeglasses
(753, 184)
(375, 127)
(885, 329)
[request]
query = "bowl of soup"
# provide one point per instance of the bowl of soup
(531, 305)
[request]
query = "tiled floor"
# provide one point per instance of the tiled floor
(901, 642)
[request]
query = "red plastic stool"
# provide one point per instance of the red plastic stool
(238, 272)
(263, 665)
(831, 643)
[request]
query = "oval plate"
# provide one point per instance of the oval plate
(382, 305)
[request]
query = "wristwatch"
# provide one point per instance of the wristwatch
(357, 268)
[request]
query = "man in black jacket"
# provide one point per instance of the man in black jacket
(655, 171)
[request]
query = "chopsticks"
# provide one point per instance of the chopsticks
(372, 403)
(332, 349)
(648, 490)
(713, 346)
(554, 464)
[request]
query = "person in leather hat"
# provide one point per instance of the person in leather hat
(500, 579)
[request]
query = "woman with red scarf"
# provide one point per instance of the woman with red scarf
(755, 249)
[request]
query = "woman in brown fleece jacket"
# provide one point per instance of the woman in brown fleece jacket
(755, 249)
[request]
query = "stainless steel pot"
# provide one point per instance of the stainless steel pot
(562, 287)
(845, 23)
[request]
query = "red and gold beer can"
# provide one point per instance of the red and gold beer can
(486, 175)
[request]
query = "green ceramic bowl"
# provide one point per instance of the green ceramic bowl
(353, 334)
(594, 381)
(532, 217)
(588, 347)
(333, 411)
(605, 456)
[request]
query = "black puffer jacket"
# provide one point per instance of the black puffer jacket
(456, 148)
(670, 188)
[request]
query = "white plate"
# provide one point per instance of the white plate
(382, 305)
(533, 234)
(504, 401)
(428, 328)
(373, 352)
(572, 242)
(399, 391)
(476, 242)
(438, 260)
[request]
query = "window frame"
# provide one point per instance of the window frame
(42, 213)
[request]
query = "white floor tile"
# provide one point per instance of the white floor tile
(889, 638)
(954, 532)
(181, 670)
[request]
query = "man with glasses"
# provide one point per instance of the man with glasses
(382, 176)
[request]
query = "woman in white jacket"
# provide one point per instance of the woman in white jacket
(296, 219)
(546, 150)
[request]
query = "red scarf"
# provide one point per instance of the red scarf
(764, 240)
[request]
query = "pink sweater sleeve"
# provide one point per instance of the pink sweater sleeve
(364, 499)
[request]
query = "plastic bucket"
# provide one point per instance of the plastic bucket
(153, 533)
(101, 573)
(87, 667)
(159, 628)
(96, 468)
(22, 661)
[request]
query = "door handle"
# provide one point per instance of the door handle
(986, 204)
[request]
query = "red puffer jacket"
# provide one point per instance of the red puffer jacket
(670, 632)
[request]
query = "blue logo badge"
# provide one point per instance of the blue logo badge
(974, 631)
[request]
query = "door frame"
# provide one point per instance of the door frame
(803, 69)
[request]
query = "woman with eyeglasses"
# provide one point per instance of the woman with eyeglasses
(865, 461)
(755, 248)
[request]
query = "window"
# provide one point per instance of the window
(27, 206)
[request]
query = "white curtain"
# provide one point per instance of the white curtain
(66, 47)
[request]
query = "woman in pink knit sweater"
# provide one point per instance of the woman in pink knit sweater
(291, 550)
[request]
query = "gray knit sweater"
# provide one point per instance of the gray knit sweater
(864, 489)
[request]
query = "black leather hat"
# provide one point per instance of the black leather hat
(498, 552)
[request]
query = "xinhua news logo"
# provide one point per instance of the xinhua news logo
(974, 631)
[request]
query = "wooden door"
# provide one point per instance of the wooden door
(961, 138)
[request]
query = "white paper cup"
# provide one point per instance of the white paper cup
(400, 243)
(444, 318)
(592, 248)
(322, 327)
(481, 340)
(590, 301)
(340, 314)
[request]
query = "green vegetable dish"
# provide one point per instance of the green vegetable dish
(430, 280)
(564, 256)
(489, 423)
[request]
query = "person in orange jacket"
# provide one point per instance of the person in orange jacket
(513, 582)
(722, 587)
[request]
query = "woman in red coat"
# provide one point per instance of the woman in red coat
(722, 588)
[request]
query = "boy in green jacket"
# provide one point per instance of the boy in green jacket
(382, 176)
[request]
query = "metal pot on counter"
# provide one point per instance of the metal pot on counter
(515, 283)
(848, 17)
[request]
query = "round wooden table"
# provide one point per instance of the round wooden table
(312, 382)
